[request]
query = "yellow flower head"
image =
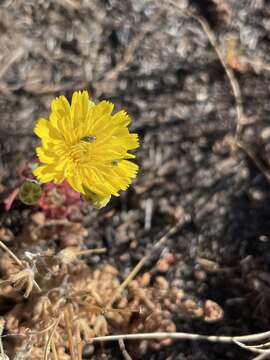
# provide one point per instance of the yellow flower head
(84, 144)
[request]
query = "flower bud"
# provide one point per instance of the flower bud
(30, 192)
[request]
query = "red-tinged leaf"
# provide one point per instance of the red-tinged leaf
(11, 198)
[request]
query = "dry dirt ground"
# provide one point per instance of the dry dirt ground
(160, 66)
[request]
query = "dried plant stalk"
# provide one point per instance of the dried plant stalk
(68, 321)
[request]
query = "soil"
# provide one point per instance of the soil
(177, 92)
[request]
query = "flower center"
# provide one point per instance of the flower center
(79, 152)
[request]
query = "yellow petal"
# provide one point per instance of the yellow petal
(121, 118)
(44, 130)
(128, 141)
(127, 168)
(45, 155)
(101, 110)
(75, 183)
(61, 106)
(61, 117)
(44, 173)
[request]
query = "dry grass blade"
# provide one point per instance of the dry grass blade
(230, 74)
(92, 251)
(2, 352)
(234, 86)
(260, 165)
(14, 257)
(15, 57)
(54, 350)
(144, 259)
(49, 340)
(18, 261)
(125, 354)
(78, 342)
(255, 349)
(68, 321)
(128, 55)
(185, 336)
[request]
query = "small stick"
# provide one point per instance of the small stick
(16, 56)
(32, 333)
(14, 257)
(67, 316)
(134, 43)
(254, 349)
(54, 351)
(234, 86)
(49, 340)
(229, 72)
(184, 336)
(257, 63)
(78, 342)
(255, 159)
(92, 251)
(145, 258)
(124, 352)
(2, 325)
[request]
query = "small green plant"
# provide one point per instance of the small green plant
(30, 192)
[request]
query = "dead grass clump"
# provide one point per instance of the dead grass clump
(55, 304)
(70, 305)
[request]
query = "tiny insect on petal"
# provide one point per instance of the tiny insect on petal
(89, 138)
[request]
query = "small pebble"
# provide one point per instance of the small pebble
(162, 266)
(38, 218)
(145, 279)
(200, 275)
(162, 282)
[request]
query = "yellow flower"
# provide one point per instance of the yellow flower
(84, 144)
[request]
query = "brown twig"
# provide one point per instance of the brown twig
(68, 321)
(145, 258)
(260, 165)
(14, 257)
(49, 340)
(257, 63)
(240, 118)
(78, 342)
(254, 348)
(92, 251)
(124, 352)
(229, 72)
(54, 350)
(184, 336)
(112, 74)
(2, 352)
(16, 56)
